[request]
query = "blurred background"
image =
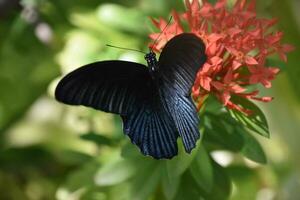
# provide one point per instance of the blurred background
(53, 151)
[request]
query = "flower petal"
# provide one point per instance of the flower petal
(250, 60)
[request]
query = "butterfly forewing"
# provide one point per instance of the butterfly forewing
(110, 86)
(180, 60)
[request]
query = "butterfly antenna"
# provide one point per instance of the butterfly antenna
(125, 48)
(155, 41)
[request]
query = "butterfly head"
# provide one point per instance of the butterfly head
(151, 60)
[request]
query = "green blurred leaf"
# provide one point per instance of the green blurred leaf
(222, 184)
(73, 157)
(130, 151)
(98, 139)
(170, 185)
(220, 131)
(202, 171)
(256, 122)
(253, 150)
(211, 105)
(83, 177)
(146, 180)
(246, 182)
(276, 62)
(119, 192)
(115, 172)
(189, 189)
(180, 163)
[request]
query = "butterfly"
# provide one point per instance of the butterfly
(154, 102)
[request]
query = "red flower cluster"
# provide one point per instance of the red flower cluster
(237, 45)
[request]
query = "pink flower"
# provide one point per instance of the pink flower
(237, 45)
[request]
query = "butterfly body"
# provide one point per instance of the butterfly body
(152, 64)
(154, 102)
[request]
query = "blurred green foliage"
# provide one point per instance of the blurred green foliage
(53, 151)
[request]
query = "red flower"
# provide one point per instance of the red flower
(170, 31)
(237, 45)
(226, 87)
(262, 74)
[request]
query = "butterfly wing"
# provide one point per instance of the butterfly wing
(180, 60)
(179, 63)
(110, 86)
(124, 88)
(152, 128)
(185, 118)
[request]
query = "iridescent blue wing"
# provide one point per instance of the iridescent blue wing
(179, 62)
(127, 89)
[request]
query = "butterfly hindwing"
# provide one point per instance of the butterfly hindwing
(152, 128)
(152, 131)
(186, 121)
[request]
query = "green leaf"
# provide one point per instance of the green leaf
(189, 189)
(170, 185)
(222, 184)
(115, 172)
(253, 150)
(180, 163)
(115, 194)
(220, 131)
(98, 139)
(146, 180)
(256, 122)
(212, 105)
(73, 157)
(273, 61)
(246, 181)
(82, 177)
(223, 131)
(130, 151)
(221, 189)
(202, 171)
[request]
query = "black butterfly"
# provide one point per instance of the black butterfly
(154, 102)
